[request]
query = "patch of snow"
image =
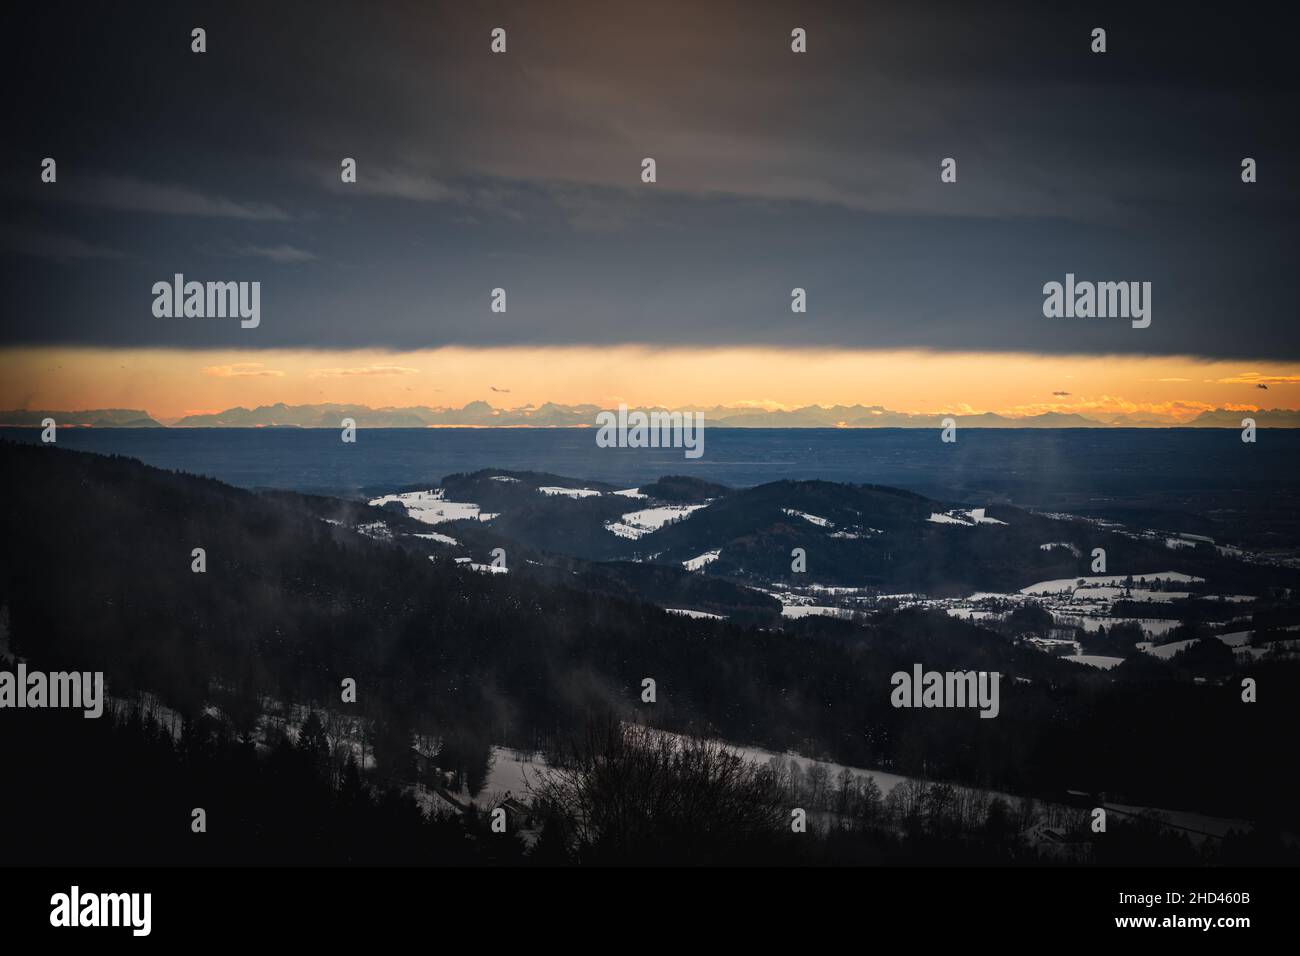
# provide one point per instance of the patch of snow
(625, 530)
(1236, 639)
(635, 524)
(820, 522)
(1157, 597)
(431, 508)
(440, 538)
(967, 518)
(375, 529)
(490, 568)
(568, 492)
(807, 610)
(970, 614)
(1097, 592)
(708, 557)
(938, 518)
(1059, 544)
(1113, 580)
(1156, 627)
(1166, 651)
(1095, 660)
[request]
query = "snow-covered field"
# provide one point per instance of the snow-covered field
(1238, 640)
(968, 518)
(687, 612)
(431, 508)
(1166, 651)
(971, 614)
(831, 589)
(440, 538)
(569, 492)
(938, 518)
(1156, 627)
(1062, 585)
(636, 524)
(1095, 660)
(488, 568)
(813, 519)
(511, 771)
(807, 610)
(708, 557)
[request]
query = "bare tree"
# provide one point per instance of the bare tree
(626, 793)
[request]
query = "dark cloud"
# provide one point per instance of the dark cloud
(775, 170)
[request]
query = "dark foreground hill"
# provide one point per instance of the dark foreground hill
(96, 574)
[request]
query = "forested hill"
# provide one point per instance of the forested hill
(852, 535)
(95, 570)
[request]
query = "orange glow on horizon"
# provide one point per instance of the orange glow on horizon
(170, 384)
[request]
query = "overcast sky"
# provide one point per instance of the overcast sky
(775, 170)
